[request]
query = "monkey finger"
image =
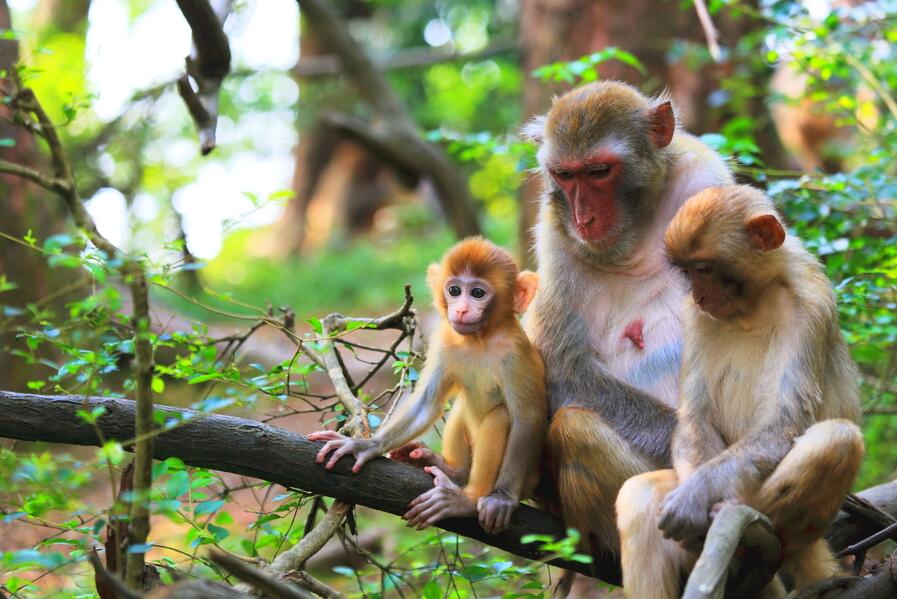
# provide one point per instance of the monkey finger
(416, 515)
(504, 519)
(324, 436)
(340, 452)
(402, 453)
(435, 513)
(328, 447)
(422, 499)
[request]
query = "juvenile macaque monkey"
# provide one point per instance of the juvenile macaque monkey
(768, 398)
(480, 356)
(606, 316)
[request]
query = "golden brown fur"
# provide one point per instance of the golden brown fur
(494, 434)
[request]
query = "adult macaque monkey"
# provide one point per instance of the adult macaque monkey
(481, 357)
(768, 398)
(606, 315)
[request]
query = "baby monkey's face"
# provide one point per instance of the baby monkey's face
(468, 299)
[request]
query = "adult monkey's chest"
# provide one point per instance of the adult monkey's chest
(636, 328)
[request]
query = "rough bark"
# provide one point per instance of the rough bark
(254, 449)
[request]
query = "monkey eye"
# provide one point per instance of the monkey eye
(563, 175)
(478, 292)
(454, 291)
(703, 268)
(599, 171)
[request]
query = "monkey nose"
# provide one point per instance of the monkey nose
(585, 220)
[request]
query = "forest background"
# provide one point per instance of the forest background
(284, 181)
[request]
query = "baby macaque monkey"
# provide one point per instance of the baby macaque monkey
(481, 357)
(768, 399)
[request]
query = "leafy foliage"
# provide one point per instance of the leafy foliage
(77, 339)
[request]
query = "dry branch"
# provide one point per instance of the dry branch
(394, 128)
(207, 65)
(734, 527)
(261, 451)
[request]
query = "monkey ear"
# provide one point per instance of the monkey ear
(765, 232)
(525, 290)
(662, 124)
(434, 273)
(534, 129)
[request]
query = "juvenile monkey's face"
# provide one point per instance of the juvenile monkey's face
(713, 291)
(467, 299)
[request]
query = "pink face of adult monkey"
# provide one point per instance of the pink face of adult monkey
(604, 155)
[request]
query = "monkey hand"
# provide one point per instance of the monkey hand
(419, 455)
(685, 512)
(363, 449)
(495, 510)
(444, 500)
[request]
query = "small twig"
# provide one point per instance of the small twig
(883, 535)
(256, 578)
(710, 31)
(322, 65)
(295, 557)
(35, 176)
(314, 585)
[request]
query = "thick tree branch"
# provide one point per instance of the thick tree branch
(254, 449)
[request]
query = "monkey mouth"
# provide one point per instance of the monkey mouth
(466, 328)
(721, 311)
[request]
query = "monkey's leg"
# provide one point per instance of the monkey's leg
(456, 444)
(806, 490)
(591, 462)
(489, 441)
(651, 564)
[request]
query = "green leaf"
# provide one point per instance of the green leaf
(219, 533)
(208, 507)
(432, 590)
(316, 325)
(158, 385)
(177, 485)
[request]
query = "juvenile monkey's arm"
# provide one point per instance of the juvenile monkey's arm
(695, 440)
(420, 411)
(741, 469)
(525, 396)
(417, 414)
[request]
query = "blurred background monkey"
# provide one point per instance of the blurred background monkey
(480, 356)
(768, 399)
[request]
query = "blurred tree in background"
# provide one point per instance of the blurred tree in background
(298, 213)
